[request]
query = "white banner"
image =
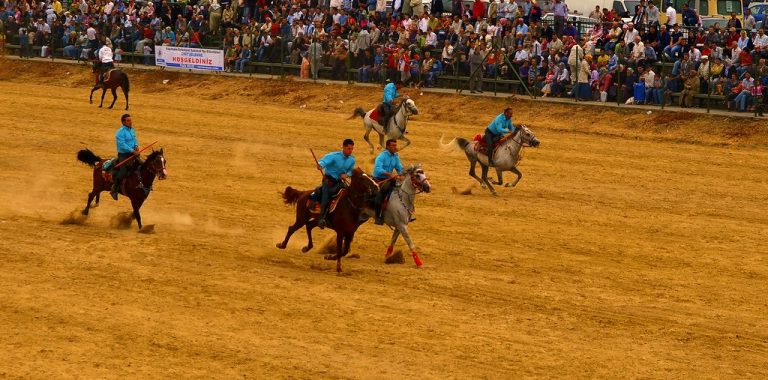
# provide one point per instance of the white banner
(189, 58)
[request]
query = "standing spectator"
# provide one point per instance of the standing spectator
(476, 71)
(671, 15)
(560, 11)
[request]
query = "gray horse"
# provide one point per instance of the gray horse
(397, 123)
(505, 157)
(400, 208)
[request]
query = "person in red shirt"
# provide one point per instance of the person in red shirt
(478, 10)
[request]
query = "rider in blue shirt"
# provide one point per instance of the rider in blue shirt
(384, 168)
(337, 167)
(496, 130)
(127, 146)
(387, 105)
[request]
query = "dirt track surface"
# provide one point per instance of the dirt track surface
(634, 246)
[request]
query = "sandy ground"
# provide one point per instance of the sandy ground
(634, 246)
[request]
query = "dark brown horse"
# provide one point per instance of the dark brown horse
(136, 186)
(113, 79)
(344, 219)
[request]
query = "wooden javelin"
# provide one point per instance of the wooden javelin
(133, 156)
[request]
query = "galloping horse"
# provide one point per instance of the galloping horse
(506, 156)
(113, 79)
(344, 219)
(136, 186)
(397, 123)
(400, 208)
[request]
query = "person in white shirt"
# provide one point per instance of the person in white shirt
(761, 39)
(105, 59)
(671, 15)
(630, 34)
(108, 8)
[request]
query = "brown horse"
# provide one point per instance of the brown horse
(136, 186)
(344, 219)
(113, 79)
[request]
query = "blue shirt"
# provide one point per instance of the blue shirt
(386, 163)
(390, 93)
(335, 164)
(126, 140)
(500, 125)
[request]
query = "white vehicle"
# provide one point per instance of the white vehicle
(625, 8)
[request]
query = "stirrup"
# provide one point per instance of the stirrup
(113, 194)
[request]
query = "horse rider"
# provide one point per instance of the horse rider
(384, 170)
(127, 146)
(496, 130)
(105, 59)
(387, 105)
(337, 168)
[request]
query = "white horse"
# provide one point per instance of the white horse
(401, 207)
(506, 156)
(397, 123)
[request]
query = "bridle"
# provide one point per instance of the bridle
(521, 143)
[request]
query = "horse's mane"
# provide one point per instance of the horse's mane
(153, 155)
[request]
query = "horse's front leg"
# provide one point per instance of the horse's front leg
(103, 92)
(403, 228)
(519, 177)
(407, 142)
(114, 98)
(391, 248)
(500, 175)
(382, 136)
(136, 206)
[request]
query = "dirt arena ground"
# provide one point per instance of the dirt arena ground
(634, 246)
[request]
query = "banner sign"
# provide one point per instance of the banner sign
(189, 58)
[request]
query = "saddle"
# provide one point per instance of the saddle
(482, 147)
(377, 114)
(313, 203)
(107, 74)
(105, 172)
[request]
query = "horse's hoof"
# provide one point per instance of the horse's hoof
(84, 212)
(305, 249)
(494, 194)
(101, 106)
(280, 245)
(509, 184)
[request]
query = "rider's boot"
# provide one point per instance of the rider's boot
(379, 216)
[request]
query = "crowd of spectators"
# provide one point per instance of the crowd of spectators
(419, 42)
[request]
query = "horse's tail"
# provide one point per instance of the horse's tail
(359, 111)
(125, 83)
(456, 143)
(87, 157)
(291, 196)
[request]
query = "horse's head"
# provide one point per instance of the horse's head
(362, 183)
(156, 164)
(527, 137)
(418, 177)
(410, 106)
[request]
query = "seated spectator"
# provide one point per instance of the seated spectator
(245, 57)
(745, 93)
(690, 89)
